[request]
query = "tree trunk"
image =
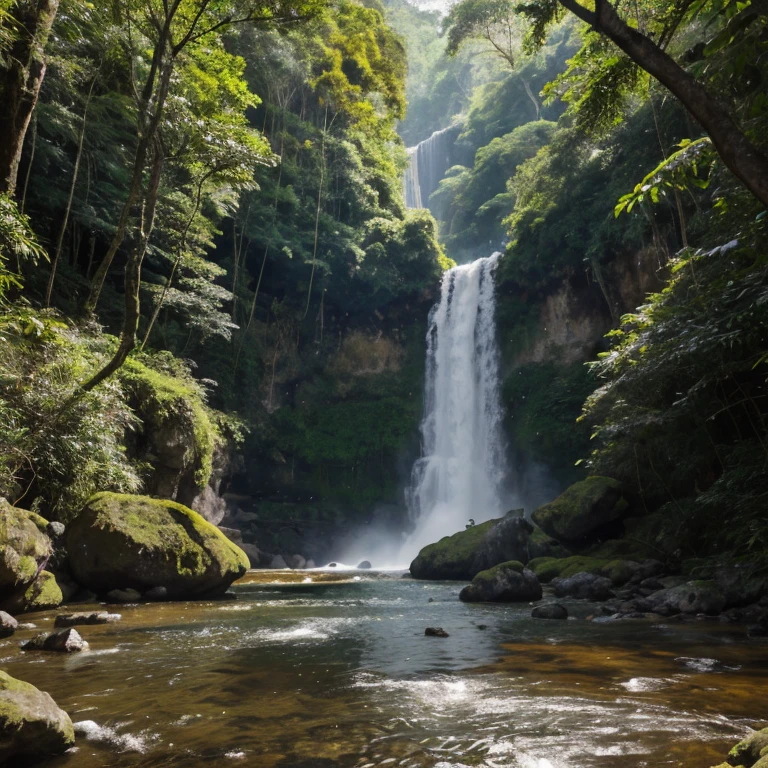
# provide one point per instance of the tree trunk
(133, 279)
(737, 152)
(21, 81)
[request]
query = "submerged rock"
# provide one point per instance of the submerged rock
(78, 619)
(121, 541)
(504, 583)
(582, 510)
(550, 611)
(32, 727)
(435, 632)
(63, 640)
(585, 586)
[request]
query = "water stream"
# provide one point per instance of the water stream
(340, 675)
(463, 471)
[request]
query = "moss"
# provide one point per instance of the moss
(548, 568)
(582, 508)
(451, 557)
(748, 751)
(618, 571)
(491, 573)
(43, 594)
(120, 541)
(162, 396)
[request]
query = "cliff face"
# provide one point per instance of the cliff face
(546, 340)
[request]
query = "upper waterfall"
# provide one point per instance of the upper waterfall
(427, 163)
(463, 468)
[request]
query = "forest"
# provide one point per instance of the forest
(292, 285)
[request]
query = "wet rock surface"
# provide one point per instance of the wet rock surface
(504, 583)
(585, 586)
(86, 618)
(62, 640)
(435, 632)
(550, 611)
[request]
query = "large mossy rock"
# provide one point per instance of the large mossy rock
(750, 751)
(504, 583)
(583, 511)
(32, 727)
(24, 549)
(120, 541)
(475, 549)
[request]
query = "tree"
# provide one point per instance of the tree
(649, 51)
(24, 30)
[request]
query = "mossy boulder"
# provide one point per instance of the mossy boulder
(549, 568)
(584, 511)
(32, 727)
(692, 597)
(120, 541)
(508, 582)
(750, 750)
(24, 549)
(479, 547)
(42, 594)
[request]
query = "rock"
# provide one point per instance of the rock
(364, 565)
(583, 510)
(157, 594)
(332, 565)
(585, 586)
(690, 598)
(121, 541)
(548, 568)
(541, 545)
(84, 596)
(32, 727)
(78, 619)
(123, 596)
(56, 530)
(64, 640)
(435, 632)
(68, 586)
(651, 583)
(8, 625)
(253, 553)
(278, 562)
(741, 584)
(550, 611)
(504, 583)
(24, 549)
(296, 561)
(480, 547)
(747, 752)
(310, 564)
(209, 505)
(233, 534)
(43, 594)
(620, 572)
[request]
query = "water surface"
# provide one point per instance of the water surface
(338, 674)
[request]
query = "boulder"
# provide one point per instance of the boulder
(480, 547)
(693, 597)
(252, 552)
(8, 625)
(32, 727)
(43, 594)
(504, 583)
(741, 584)
(125, 595)
(296, 561)
(235, 535)
(24, 550)
(364, 565)
(63, 640)
(278, 562)
(541, 545)
(550, 611)
(310, 564)
(585, 586)
(83, 619)
(157, 594)
(749, 751)
(120, 541)
(583, 511)
(435, 632)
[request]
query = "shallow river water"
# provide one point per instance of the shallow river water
(339, 674)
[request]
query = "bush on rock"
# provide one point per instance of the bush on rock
(120, 541)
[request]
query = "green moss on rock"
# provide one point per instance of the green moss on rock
(31, 725)
(43, 594)
(121, 541)
(452, 556)
(582, 509)
(548, 568)
(749, 751)
(508, 582)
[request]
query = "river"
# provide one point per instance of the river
(337, 674)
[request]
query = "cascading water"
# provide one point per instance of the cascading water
(427, 163)
(463, 468)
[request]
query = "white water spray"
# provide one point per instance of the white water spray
(463, 468)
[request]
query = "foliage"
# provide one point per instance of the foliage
(58, 447)
(17, 241)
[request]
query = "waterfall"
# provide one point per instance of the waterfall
(427, 163)
(463, 468)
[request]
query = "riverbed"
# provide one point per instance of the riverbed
(337, 674)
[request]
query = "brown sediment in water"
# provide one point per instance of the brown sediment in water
(296, 577)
